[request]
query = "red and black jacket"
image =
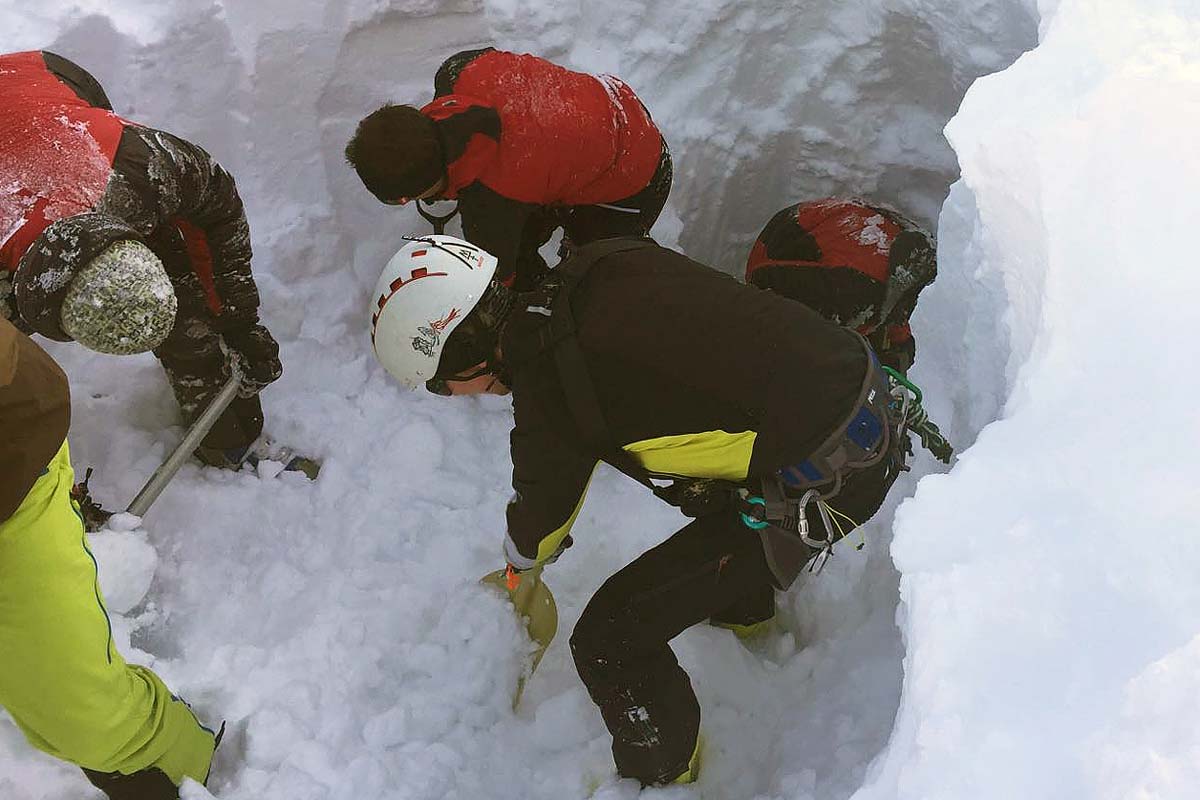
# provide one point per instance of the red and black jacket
(520, 133)
(75, 177)
(859, 265)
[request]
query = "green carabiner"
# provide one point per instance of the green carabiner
(899, 378)
(749, 521)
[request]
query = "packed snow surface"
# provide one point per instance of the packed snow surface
(1039, 638)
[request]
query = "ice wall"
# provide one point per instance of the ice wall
(337, 626)
(1048, 592)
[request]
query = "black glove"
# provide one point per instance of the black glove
(931, 437)
(697, 497)
(933, 441)
(257, 355)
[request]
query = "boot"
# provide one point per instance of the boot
(147, 784)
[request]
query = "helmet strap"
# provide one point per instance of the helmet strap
(476, 338)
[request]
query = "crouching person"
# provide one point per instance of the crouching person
(95, 208)
(772, 420)
(61, 678)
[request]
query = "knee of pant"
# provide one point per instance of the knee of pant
(594, 640)
(610, 644)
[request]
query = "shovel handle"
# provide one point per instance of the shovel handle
(200, 428)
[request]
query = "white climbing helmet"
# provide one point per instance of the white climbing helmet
(425, 291)
(121, 302)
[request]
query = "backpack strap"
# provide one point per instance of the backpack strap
(559, 334)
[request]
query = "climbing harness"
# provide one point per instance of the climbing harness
(864, 439)
(888, 408)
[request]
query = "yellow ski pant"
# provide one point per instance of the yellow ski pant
(61, 678)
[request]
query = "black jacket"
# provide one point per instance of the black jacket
(697, 375)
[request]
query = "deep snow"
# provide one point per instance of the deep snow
(1030, 647)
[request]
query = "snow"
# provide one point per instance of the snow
(127, 562)
(1048, 579)
(1036, 636)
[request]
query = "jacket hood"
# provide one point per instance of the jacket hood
(46, 270)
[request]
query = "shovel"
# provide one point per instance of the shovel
(532, 599)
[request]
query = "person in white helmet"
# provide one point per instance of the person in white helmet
(772, 421)
(410, 331)
(128, 239)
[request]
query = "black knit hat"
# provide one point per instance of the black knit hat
(397, 153)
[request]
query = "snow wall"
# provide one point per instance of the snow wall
(1049, 602)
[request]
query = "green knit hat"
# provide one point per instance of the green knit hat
(121, 302)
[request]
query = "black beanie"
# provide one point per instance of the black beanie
(397, 153)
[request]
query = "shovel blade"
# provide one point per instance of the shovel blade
(533, 600)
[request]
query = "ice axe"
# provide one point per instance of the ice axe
(532, 599)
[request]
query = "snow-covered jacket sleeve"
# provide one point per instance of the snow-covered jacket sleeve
(183, 186)
(452, 67)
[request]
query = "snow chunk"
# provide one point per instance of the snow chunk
(126, 562)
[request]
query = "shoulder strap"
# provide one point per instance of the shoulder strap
(573, 372)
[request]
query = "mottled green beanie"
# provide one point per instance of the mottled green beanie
(121, 302)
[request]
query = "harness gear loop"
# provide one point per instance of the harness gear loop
(755, 517)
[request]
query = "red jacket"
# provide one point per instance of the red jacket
(523, 138)
(57, 150)
(542, 134)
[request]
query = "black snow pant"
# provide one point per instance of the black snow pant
(713, 567)
(197, 368)
(148, 784)
(631, 216)
(195, 362)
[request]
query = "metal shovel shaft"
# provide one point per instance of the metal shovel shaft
(200, 428)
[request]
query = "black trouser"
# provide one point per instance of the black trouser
(713, 567)
(148, 784)
(620, 643)
(631, 216)
(196, 368)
